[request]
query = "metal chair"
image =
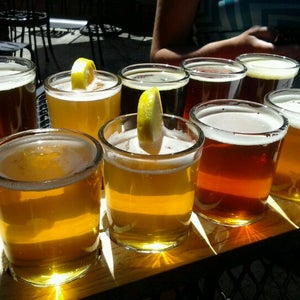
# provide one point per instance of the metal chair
(28, 15)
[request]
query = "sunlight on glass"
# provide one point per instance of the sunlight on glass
(279, 210)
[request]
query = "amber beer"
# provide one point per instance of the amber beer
(49, 204)
(266, 73)
(17, 95)
(286, 182)
(242, 141)
(170, 80)
(83, 110)
(150, 196)
(210, 79)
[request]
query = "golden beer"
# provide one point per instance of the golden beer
(242, 141)
(150, 197)
(265, 73)
(50, 184)
(17, 95)
(83, 110)
(286, 182)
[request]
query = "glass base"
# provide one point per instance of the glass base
(147, 245)
(231, 220)
(55, 274)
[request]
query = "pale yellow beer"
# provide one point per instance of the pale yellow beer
(83, 110)
(265, 73)
(50, 184)
(286, 182)
(150, 197)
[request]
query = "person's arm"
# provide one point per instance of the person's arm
(172, 30)
(172, 33)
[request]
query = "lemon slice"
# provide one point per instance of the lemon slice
(149, 120)
(82, 73)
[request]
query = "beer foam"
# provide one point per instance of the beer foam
(270, 68)
(145, 78)
(247, 127)
(41, 162)
(173, 141)
(97, 90)
(290, 103)
(15, 77)
(215, 73)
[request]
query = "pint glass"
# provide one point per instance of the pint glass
(242, 141)
(83, 110)
(266, 73)
(286, 182)
(170, 80)
(210, 79)
(50, 184)
(17, 95)
(150, 197)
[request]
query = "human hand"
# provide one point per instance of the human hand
(263, 39)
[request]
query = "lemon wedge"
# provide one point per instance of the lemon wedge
(82, 73)
(149, 120)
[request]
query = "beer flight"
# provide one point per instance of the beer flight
(211, 136)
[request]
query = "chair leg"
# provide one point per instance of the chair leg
(91, 41)
(37, 62)
(99, 45)
(51, 46)
(44, 44)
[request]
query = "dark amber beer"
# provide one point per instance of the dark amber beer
(170, 80)
(266, 73)
(17, 95)
(286, 182)
(242, 142)
(210, 79)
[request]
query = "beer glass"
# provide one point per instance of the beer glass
(286, 182)
(266, 73)
(210, 79)
(17, 95)
(83, 110)
(170, 80)
(150, 197)
(242, 141)
(50, 184)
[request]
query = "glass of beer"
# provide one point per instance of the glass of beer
(266, 73)
(50, 185)
(170, 80)
(17, 95)
(242, 142)
(83, 110)
(286, 181)
(211, 78)
(149, 197)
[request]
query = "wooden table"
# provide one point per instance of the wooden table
(122, 273)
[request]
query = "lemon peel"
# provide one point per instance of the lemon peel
(82, 73)
(150, 120)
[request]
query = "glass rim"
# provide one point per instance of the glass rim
(48, 87)
(293, 116)
(21, 61)
(194, 127)
(232, 102)
(46, 133)
(158, 66)
(217, 61)
(295, 65)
